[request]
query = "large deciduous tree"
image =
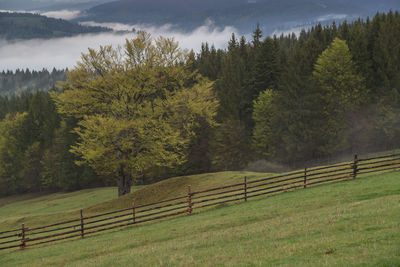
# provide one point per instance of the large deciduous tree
(138, 107)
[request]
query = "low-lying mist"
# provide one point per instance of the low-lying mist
(64, 52)
(62, 14)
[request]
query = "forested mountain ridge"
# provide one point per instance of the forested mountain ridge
(243, 14)
(29, 26)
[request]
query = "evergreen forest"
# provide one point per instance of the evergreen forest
(330, 91)
(22, 81)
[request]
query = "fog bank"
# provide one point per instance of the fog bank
(62, 14)
(64, 52)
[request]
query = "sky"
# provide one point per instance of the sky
(64, 52)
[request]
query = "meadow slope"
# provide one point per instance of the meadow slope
(35, 210)
(352, 223)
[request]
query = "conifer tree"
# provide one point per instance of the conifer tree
(267, 68)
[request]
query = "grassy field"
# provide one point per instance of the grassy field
(35, 210)
(353, 223)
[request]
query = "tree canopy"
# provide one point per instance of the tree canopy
(137, 108)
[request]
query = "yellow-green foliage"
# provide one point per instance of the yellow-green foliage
(336, 75)
(12, 137)
(264, 134)
(137, 107)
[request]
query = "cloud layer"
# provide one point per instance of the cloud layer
(65, 52)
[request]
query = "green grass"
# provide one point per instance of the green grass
(36, 210)
(58, 202)
(353, 223)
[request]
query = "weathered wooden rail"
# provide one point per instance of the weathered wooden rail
(84, 226)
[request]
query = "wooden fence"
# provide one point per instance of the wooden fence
(84, 226)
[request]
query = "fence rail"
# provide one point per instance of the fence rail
(83, 226)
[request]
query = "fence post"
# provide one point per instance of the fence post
(305, 178)
(23, 236)
(133, 212)
(189, 200)
(82, 232)
(355, 166)
(245, 188)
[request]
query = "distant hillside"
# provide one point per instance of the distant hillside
(29, 26)
(243, 14)
(44, 5)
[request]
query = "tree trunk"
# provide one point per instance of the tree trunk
(124, 181)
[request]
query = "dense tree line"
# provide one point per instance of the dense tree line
(34, 147)
(331, 90)
(20, 81)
